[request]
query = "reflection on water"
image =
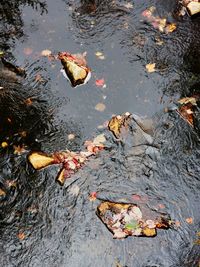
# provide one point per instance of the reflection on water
(43, 224)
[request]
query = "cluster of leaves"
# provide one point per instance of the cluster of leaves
(157, 22)
(187, 107)
(127, 220)
(70, 161)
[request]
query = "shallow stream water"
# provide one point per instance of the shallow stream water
(59, 224)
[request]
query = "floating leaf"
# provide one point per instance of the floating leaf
(170, 27)
(100, 82)
(193, 7)
(149, 232)
(75, 68)
(18, 150)
(151, 67)
(93, 196)
(100, 55)
(40, 160)
(46, 53)
(71, 136)
(4, 144)
(189, 220)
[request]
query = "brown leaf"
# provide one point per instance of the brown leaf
(18, 150)
(189, 220)
(61, 177)
(100, 107)
(21, 235)
(2, 193)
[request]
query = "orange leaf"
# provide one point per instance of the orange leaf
(189, 220)
(21, 235)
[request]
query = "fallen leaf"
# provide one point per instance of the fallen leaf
(28, 101)
(40, 160)
(151, 67)
(21, 235)
(93, 196)
(170, 27)
(149, 232)
(100, 139)
(70, 137)
(118, 122)
(46, 53)
(75, 68)
(18, 150)
(100, 55)
(28, 51)
(187, 100)
(2, 193)
(128, 5)
(100, 82)
(193, 7)
(4, 144)
(100, 107)
(189, 220)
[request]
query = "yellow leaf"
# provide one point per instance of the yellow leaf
(40, 160)
(149, 231)
(151, 67)
(170, 27)
(4, 144)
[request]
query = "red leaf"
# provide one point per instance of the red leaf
(100, 82)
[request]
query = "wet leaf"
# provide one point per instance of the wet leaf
(127, 220)
(21, 235)
(18, 150)
(4, 144)
(187, 100)
(28, 101)
(128, 5)
(71, 137)
(2, 193)
(40, 160)
(149, 232)
(75, 68)
(193, 8)
(93, 196)
(117, 122)
(189, 220)
(100, 107)
(61, 177)
(100, 139)
(46, 53)
(100, 55)
(151, 67)
(170, 27)
(100, 82)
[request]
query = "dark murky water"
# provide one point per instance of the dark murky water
(59, 223)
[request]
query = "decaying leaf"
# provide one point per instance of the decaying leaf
(127, 220)
(75, 68)
(117, 122)
(151, 67)
(189, 220)
(18, 150)
(187, 107)
(40, 160)
(70, 161)
(2, 193)
(157, 22)
(100, 107)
